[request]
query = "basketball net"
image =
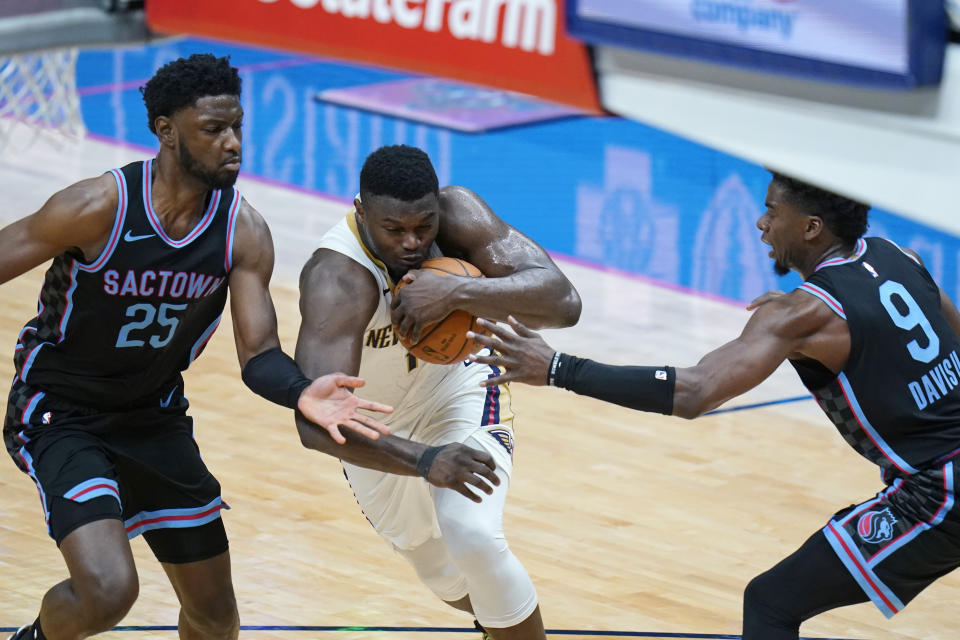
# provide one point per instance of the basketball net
(38, 98)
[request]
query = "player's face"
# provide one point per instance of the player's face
(209, 140)
(783, 229)
(399, 232)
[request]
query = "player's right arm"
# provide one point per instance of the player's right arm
(338, 296)
(792, 325)
(80, 215)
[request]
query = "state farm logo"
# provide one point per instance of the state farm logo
(530, 25)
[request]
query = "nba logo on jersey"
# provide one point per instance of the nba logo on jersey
(876, 526)
(869, 267)
(46, 417)
(660, 374)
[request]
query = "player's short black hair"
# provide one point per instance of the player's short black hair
(179, 84)
(846, 218)
(398, 171)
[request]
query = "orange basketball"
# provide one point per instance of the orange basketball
(446, 342)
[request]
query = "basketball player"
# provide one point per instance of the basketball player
(875, 341)
(143, 257)
(352, 322)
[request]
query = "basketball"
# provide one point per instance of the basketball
(446, 342)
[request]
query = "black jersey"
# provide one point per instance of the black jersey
(116, 331)
(897, 400)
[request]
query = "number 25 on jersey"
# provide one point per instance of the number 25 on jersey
(151, 324)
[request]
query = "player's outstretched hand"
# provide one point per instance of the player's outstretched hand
(329, 403)
(458, 467)
(522, 352)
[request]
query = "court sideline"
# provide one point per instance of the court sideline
(626, 521)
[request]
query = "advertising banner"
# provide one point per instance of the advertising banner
(865, 33)
(879, 41)
(518, 45)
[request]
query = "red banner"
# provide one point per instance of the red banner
(518, 45)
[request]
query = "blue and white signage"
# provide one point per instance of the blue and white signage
(884, 42)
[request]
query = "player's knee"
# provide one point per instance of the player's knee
(474, 546)
(436, 574)
(436, 569)
(753, 593)
(107, 596)
(761, 608)
(214, 615)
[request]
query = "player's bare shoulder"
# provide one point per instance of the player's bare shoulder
(462, 209)
(795, 314)
(913, 254)
(80, 215)
(457, 199)
(332, 282)
(251, 222)
(813, 328)
(97, 192)
(252, 241)
(470, 229)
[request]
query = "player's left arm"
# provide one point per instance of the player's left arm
(267, 370)
(950, 311)
(251, 306)
(946, 304)
(521, 279)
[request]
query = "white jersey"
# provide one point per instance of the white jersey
(393, 376)
(437, 404)
(433, 403)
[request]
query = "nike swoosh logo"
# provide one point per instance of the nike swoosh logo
(166, 403)
(129, 237)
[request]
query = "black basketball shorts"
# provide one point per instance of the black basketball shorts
(897, 543)
(141, 466)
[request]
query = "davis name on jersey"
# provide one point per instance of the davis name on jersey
(936, 383)
(897, 398)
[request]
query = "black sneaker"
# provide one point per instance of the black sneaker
(23, 633)
(483, 632)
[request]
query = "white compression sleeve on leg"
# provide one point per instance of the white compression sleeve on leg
(501, 591)
(436, 569)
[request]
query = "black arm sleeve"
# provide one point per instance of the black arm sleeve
(640, 388)
(275, 376)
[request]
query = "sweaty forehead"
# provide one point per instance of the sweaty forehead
(389, 207)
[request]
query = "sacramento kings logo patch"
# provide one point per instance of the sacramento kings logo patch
(876, 526)
(504, 437)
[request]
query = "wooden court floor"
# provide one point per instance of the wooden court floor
(626, 521)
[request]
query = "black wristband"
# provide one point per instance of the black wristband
(641, 388)
(275, 376)
(426, 460)
(552, 371)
